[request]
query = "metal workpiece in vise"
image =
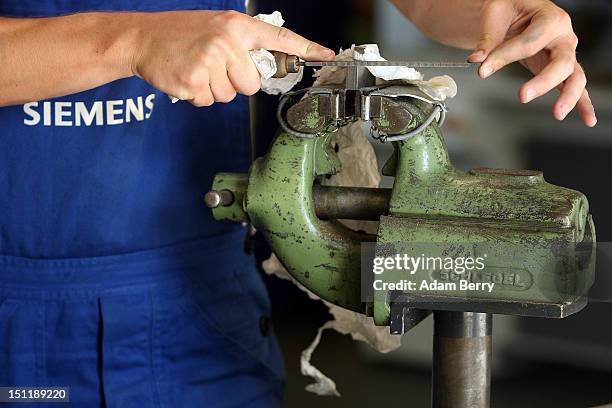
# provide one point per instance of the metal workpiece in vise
(539, 238)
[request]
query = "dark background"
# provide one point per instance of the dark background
(538, 363)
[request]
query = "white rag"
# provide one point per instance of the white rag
(266, 65)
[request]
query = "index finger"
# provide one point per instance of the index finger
(275, 38)
(536, 37)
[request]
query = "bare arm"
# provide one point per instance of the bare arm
(48, 57)
(449, 22)
(536, 33)
(199, 56)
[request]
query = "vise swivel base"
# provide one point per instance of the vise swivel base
(537, 240)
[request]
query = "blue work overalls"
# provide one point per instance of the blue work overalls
(115, 280)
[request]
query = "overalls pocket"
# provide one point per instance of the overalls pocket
(20, 332)
(217, 334)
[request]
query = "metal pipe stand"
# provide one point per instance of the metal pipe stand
(461, 374)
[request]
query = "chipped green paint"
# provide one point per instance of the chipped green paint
(431, 201)
(326, 160)
(323, 256)
(311, 120)
(383, 121)
(304, 115)
(237, 184)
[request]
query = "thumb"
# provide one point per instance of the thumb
(275, 38)
(496, 18)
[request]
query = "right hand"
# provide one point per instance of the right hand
(539, 35)
(203, 56)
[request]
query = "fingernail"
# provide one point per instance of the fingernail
(477, 56)
(564, 111)
(529, 95)
(327, 53)
(486, 71)
(594, 116)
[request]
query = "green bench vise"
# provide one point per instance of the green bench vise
(537, 239)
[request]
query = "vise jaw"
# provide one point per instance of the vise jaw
(539, 238)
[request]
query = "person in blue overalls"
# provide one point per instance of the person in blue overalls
(114, 279)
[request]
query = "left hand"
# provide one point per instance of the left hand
(540, 36)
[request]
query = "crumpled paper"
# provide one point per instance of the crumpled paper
(266, 65)
(360, 327)
(359, 169)
(371, 53)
